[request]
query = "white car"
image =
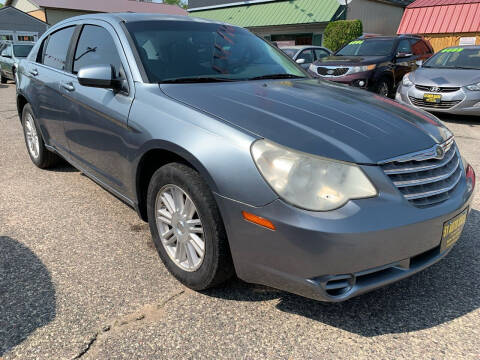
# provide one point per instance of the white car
(306, 54)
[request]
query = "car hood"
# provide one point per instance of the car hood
(445, 77)
(350, 60)
(317, 117)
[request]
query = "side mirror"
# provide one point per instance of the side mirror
(402, 55)
(99, 76)
(419, 63)
(300, 61)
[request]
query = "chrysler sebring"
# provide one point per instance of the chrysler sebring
(240, 162)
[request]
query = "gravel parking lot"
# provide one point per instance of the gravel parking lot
(80, 278)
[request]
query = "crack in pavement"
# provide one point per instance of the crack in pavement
(148, 312)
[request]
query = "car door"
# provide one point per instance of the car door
(46, 71)
(6, 61)
(97, 129)
(308, 56)
(404, 59)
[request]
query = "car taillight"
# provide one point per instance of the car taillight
(470, 173)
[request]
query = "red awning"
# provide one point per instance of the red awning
(440, 17)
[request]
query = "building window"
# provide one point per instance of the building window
(25, 38)
(6, 37)
(292, 39)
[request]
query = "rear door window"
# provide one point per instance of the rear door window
(57, 48)
(419, 47)
(320, 53)
(97, 47)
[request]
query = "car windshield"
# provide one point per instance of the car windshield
(290, 52)
(172, 51)
(368, 47)
(22, 50)
(456, 58)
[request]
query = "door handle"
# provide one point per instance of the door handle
(68, 86)
(34, 72)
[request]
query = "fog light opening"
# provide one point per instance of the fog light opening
(340, 285)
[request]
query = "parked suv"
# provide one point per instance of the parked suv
(374, 63)
(241, 162)
(10, 55)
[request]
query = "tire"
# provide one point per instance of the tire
(39, 154)
(3, 79)
(383, 88)
(216, 266)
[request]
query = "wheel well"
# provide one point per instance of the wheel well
(151, 162)
(21, 102)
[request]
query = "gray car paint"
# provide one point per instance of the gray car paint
(445, 77)
(212, 126)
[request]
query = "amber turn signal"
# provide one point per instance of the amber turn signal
(258, 220)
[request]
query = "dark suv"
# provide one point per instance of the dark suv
(374, 63)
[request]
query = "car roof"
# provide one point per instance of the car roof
(133, 17)
(301, 47)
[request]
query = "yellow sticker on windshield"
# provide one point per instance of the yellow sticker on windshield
(452, 50)
(356, 42)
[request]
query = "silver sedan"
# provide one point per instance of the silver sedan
(448, 82)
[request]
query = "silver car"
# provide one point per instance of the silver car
(448, 82)
(10, 56)
(305, 55)
(240, 161)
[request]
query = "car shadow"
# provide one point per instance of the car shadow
(2, 86)
(27, 294)
(441, 293)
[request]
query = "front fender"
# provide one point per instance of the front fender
(219, 151)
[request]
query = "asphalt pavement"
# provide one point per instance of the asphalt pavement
(80, 279)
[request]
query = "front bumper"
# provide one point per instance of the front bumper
(336, 255)
(360, 80)
(466, 102)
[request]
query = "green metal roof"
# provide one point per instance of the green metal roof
(274, 13)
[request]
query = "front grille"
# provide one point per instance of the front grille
(437, 89)
(425, 179)
(441, 105)
(323, 71)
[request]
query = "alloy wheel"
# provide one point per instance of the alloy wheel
(180, 227)
(32, 136)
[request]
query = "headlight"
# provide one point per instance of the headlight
(357, 69)
(308, 181)
(474, 87)
(406, 80)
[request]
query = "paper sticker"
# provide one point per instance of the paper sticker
(452, 50)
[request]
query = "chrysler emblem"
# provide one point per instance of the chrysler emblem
(434, 89)
(440, 153)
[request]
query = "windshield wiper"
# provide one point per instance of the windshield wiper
(197, 79)
(277, 76)
(465, 68)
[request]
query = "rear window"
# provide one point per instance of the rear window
(368, 47)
